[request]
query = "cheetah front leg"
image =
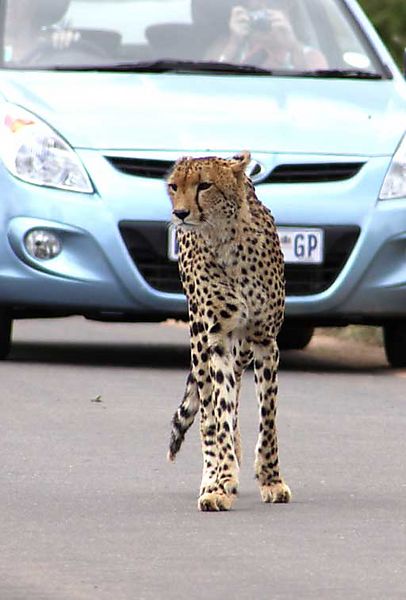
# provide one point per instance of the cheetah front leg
(272, 486)
(220, 476)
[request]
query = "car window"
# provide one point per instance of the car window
(296, 36)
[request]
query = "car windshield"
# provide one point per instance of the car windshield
(296, 37)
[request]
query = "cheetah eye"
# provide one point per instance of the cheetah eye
(173, 186)
(204, 185)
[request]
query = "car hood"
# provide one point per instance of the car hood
(132, 111)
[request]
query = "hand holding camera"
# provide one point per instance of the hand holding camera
(265, 23)
(261, 34)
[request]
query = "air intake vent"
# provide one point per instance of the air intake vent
(300, 173)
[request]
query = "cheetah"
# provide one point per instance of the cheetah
(232, 272)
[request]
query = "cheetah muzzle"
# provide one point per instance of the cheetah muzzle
(232, 272)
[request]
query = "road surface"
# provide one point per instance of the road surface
(91, 510)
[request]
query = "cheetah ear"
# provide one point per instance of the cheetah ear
(239, 162)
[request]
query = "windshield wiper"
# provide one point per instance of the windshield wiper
(167, 66)
(342, 74)
(191, 66)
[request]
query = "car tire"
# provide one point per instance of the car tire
(6, 326)
(394, 339)
(294, 337)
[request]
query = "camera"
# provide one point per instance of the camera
(260, 21)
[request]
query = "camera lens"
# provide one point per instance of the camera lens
(260, 21)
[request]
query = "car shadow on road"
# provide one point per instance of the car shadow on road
(305, 360)
(316, 358)
(150, 356)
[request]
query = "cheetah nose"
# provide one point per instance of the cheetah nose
(181, 214)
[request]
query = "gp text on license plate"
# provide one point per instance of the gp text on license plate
(299, 245)
(302, 245)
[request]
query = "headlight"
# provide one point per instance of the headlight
(394, 184)
(34, 152)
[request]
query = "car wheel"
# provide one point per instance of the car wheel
(6, 325)
(294, 337)
(394, 339)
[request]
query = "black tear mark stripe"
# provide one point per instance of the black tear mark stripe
(197, 201)
(197, 197)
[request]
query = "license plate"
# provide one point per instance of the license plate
(302, 245)
(299, 245)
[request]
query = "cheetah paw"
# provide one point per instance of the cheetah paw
(215, 501)
(275, 492)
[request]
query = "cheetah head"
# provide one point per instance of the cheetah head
(207, 191)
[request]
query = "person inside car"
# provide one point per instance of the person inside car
(25, 37)
(260, 34)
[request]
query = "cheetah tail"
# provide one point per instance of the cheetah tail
(183, 417)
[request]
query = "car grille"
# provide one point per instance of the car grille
(290, 173)
(313, 173)
(147, 244)
(155, 169)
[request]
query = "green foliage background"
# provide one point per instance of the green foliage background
(389, 18)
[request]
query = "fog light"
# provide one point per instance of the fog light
(43, 244)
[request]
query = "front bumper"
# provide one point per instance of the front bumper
(96, 275)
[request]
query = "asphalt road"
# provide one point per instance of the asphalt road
(91, 510)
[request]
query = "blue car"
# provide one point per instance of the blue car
(98, 98)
